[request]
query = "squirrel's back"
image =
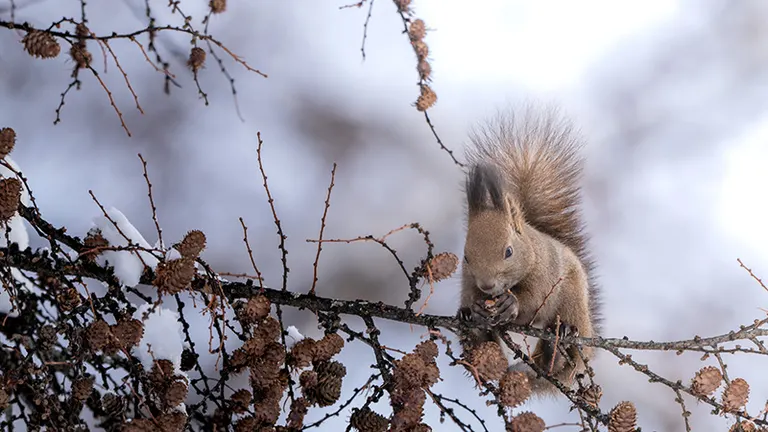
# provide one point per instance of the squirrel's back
(537, 153)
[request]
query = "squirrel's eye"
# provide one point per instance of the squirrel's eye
(508, 252)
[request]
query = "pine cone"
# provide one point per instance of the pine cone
(99, 335)
(443, 265)
(172, 276)
(240, 399)
(246, 424)
(129, 332)
(41, 44)
(303, 352)
(427, 350)
(427, 98)
(366, 420)
(526, 422)
(218, 6)
(327, 347)
(736, 395)
(412, 370)
(7, 141)
(196, 59)
(515, 389)
(417, 30)
(176, 393)
(623, 418)
(10, 197)
(112, 405)
(255, 310)
(592, 394)
(81, 389)
(706, 381)
(194, 241)
(746, 426)
(489, 360)
(299, 409)
(4, 398)
(326, 392)
(174, 421)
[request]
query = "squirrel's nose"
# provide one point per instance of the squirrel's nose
(487, 287)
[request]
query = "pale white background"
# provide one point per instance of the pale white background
(671, 95)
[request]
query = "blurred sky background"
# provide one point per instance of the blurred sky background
(670, 94)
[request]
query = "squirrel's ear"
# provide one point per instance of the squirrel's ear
(515, 212)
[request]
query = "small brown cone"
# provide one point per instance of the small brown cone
(176, 393)
(192, 244)
(746, 426)
(240, 399)
(255, 310)
(303, 352)
(41, 44)
(526, 422)
(80, 54)
(403, 5)
(174, 275)
(10, 196)
(218, 6)
(443, 265)
(327, 347)
(366, 420)
(98, 335)
(427, 350)
(515, 388)
(7, 141)
(623, 418)
(427, 98)
(489, 360)
(424, 69)
(196, 59)
(417, 30)
(421, 48)
(735, 395)
(592, 394)
(82, 388)
(128, 332)
(706, 381)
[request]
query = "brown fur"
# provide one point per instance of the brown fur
(523, 191)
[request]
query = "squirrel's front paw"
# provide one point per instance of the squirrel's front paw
(505, 309)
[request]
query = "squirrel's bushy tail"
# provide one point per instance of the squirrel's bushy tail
(537, 152)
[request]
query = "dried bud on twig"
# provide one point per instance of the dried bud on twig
(80, 55)
(41, 44)
(746, 426)
(403, 5)
(623, 418)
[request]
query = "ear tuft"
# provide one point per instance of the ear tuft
(484, 188)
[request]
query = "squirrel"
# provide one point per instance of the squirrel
(526, 258)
